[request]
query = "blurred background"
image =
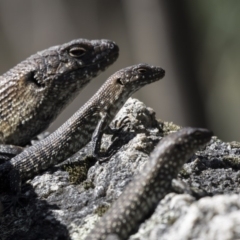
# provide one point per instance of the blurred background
(196, 42)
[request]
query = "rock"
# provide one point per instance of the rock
(66, 201)
(179, 216)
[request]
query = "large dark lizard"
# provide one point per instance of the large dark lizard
(33, 93)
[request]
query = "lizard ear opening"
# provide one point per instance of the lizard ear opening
(119, 81)
(30, 78)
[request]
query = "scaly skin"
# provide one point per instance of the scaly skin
(142, 195)
(90, 121)
(34, 92)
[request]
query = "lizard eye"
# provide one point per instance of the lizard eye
(198, 135)
(77, 52)
(142, 70)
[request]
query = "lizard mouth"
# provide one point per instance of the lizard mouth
(154, 77)
(101, 63)
(110, 59)
(104, 59)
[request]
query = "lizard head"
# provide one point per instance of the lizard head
(179, 146)
(135, 77)
(86, 59)
(122, 84)
(189, 139)
(125, 82)
(74, 63)
(45, 83)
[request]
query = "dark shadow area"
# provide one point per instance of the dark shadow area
(31, 219)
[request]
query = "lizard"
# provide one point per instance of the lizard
(91, 121)
(142, 194)
(35, 91)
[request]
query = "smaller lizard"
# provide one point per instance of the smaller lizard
(90, 121)
(143, 193)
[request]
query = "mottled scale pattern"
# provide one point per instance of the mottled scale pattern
(33, 93)
(76, 132)
(143, 193)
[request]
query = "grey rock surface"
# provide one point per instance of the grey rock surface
(66, 201)
(179, 216)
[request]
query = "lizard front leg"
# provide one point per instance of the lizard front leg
(102, 128)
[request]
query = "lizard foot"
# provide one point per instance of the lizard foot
(119, 126)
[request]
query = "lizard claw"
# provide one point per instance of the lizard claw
(105, 157)
(119, 125)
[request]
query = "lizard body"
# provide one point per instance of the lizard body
(143, 193)
(90, 121)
